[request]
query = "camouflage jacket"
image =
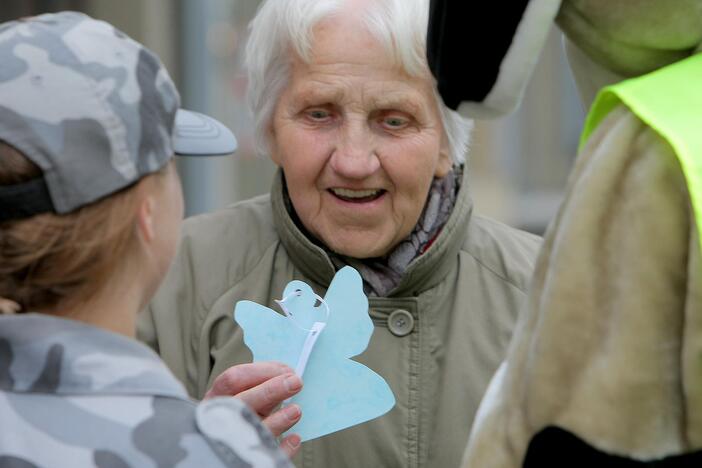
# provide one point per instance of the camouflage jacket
(74, 395)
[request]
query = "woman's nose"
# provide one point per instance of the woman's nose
(354, 155)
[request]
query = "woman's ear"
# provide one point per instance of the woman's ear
(445, 163)
(272, 147)
(146, 223)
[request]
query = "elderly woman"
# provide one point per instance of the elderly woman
(372, 176)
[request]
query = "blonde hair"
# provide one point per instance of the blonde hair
(284, 25)
(51, 259)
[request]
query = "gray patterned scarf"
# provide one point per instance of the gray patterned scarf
(381, 275)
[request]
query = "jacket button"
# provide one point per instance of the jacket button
(400, 322)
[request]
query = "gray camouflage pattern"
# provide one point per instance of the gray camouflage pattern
(77, 93)
(72, 395)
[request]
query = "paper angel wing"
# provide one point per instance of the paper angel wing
(349, 323)
(338, 392)
(268, 334)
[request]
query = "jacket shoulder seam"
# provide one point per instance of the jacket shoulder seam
(492, 270)
(230, 284)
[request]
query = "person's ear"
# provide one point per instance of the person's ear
(445, 162)
(146, 222)
(273, 147)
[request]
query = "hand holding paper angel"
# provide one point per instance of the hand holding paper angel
(338, 392)
(263, 386)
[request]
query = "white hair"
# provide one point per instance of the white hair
(282, 25)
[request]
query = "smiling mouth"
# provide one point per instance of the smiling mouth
(357, 196)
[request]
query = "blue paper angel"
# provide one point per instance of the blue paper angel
(338, 392)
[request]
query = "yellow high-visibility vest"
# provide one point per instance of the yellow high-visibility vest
(668, 100)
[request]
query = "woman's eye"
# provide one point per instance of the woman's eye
(395, 122)
(318, 115)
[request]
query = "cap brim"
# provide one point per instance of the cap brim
(196, 134)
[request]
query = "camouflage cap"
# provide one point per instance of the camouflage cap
(94, 109)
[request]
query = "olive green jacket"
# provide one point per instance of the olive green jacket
(460, 300)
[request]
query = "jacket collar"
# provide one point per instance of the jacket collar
(50, 355)
(425, 271)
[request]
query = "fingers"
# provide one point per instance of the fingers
(290, 445)
(283, 419)
(8, 307)
(266, 396)
(263, 386)
(239, 378)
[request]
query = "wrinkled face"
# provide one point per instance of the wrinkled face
(359, 141)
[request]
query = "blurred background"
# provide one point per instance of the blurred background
(518, 164)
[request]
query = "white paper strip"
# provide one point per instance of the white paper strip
(312, 336)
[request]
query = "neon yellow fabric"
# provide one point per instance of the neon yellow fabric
(669, 100)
